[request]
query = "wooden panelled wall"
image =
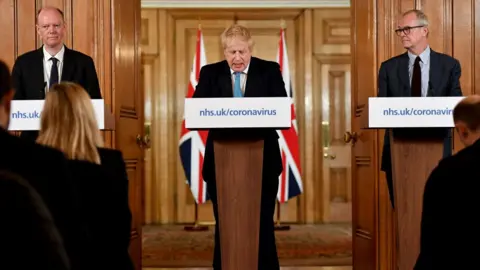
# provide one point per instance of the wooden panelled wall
(454, 30)
(108, 31)
(318, 42)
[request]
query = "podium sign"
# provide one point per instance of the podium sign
(25, 114)
(205, 113)
(411, 112)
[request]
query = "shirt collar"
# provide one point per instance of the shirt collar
(424, 56)
(59, 55)
(244, 71)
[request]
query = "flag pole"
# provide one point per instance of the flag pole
(197, 226)
(278, 226)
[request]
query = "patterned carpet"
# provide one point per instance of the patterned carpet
(302, 245)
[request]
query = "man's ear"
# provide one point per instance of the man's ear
(461, 129)
(426, 31)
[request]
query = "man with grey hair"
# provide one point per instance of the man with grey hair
(241, 75)
(419, 72)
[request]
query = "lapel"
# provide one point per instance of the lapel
(38, 76)
(68, 66)
(252, 79)
(434, 74)
(405, 91)
(225, 80)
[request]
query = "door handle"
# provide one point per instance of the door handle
(328, 156)
(146, 141)
(143, 142)
(139, 140)
(350, 137)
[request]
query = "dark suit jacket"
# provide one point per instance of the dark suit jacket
(103, 192)
(30, 239)
(393, 81)
(28, 74)
(46, 170)
(449, 226)
(264, 79)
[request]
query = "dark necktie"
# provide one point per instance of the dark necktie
(417, 79)
(53, 72)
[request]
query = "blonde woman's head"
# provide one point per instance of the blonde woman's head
(68, 123)
(237, 46)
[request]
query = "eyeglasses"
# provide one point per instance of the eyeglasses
(406, 30)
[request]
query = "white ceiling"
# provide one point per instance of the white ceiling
(244, 3)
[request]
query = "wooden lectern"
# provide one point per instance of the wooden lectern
(239, 186)
(109, 119)
(413, 159)
(417, 128)
(239, 168)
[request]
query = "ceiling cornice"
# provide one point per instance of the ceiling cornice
(244, 3)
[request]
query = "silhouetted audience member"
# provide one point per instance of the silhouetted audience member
(68, 123)
(30, 239)
(449, 231)
(45, 169)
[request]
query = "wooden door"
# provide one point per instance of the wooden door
(373, 41)
(331, 93)
(129, 113)
(363, 162)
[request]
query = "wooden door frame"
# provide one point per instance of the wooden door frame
(245, 4)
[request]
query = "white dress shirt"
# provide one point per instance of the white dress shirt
(424, 67)
(243, 79)
(47, 65)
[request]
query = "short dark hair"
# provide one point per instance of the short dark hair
(59, 11)
(468, 112)
(5, 79)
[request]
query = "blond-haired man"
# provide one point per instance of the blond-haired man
(241, 75)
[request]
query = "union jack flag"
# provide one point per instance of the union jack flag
(192, 143)
(290, 184)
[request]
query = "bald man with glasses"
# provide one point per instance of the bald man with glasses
(419, 72)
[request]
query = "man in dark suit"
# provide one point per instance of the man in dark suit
(449, 229)
(36, 71)
(419, 72)
(46, 170)
(242, 75)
